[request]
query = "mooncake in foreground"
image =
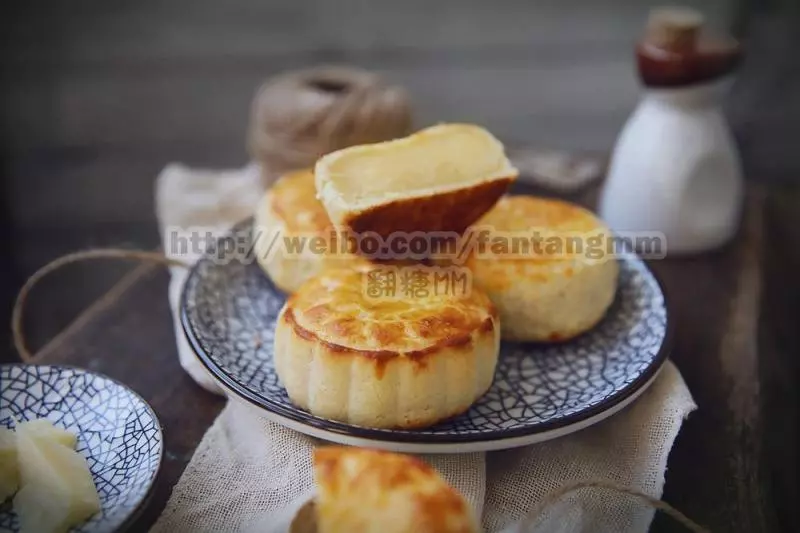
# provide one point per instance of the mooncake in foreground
(290, 216)
(384, 363)
(441, 178)
(361, 491)
(558, 285)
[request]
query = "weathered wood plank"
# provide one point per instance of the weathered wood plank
(101, 31)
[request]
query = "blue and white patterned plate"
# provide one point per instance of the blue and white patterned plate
(117, 431)
(228, 312)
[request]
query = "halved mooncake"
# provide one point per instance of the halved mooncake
(379, 362)
(547, 265)
(442, 178)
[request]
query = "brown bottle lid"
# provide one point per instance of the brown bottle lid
(673, 28)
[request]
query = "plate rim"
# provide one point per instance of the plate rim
(445, 447)
(409, 436)
(147, 497)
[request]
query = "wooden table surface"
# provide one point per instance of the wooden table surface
(103, 98)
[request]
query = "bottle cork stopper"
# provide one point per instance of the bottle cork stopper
(674, 28)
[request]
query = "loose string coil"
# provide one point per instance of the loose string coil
(551, 498)
(159, 258)
(104, 253)
(300, 116)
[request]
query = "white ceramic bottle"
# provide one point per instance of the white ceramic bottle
(675, 168)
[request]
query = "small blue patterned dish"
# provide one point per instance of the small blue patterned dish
(117, 431)
(540, 391)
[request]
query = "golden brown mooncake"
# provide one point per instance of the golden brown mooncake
(291, 210)
(384, 363)
(442, 178)
(552, 291)
(360, 491)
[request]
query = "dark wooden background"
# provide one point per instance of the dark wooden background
(97, 97)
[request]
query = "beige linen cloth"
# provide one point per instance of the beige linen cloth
(249, 474)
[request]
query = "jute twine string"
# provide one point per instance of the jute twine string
(159, 258)
(551, 498)
(302, 115)
(101, 253)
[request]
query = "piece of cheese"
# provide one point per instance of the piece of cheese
(57, 487)
(9, 475)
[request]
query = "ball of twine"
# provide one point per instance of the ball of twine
(299, 116)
